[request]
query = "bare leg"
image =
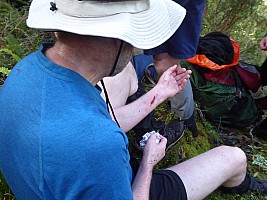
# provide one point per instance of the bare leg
(121, 86)
(202, 174)
(164, 61)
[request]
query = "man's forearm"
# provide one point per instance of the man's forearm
(141, 184)
(131, 114)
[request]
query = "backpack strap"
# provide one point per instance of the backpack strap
(238, 82)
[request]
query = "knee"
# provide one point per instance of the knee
(235, 156)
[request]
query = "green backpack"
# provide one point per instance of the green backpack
(226, 104)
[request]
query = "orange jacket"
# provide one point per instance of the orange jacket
(203, 61)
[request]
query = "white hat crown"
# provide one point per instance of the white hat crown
(82, 8)
(143, 23)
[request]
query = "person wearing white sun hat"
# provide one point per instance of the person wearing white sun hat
(144, 24)
(58, 140)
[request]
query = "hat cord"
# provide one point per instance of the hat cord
(104, 88)
(108, 103)
(117, 58)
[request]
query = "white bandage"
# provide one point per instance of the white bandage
(146, 136)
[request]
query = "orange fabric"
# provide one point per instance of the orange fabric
(203, 61)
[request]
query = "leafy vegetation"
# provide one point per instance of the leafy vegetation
(244, 21)
(16, 39)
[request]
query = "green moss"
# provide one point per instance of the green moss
(189, 147)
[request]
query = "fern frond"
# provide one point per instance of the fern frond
(8, 51)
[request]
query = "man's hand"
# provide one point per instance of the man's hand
(263, 43)
(173, 80)
(152, 154)
(153, 151)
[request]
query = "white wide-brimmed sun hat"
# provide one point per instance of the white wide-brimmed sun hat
(143, 23)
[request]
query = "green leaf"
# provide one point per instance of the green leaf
(4, 70)
(8, 51)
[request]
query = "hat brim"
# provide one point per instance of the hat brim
(144, 30)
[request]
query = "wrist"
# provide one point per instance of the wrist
(146, 166)
(160, 94)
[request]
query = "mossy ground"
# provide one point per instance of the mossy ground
(212, 136)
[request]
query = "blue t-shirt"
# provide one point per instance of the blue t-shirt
(58, 140)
